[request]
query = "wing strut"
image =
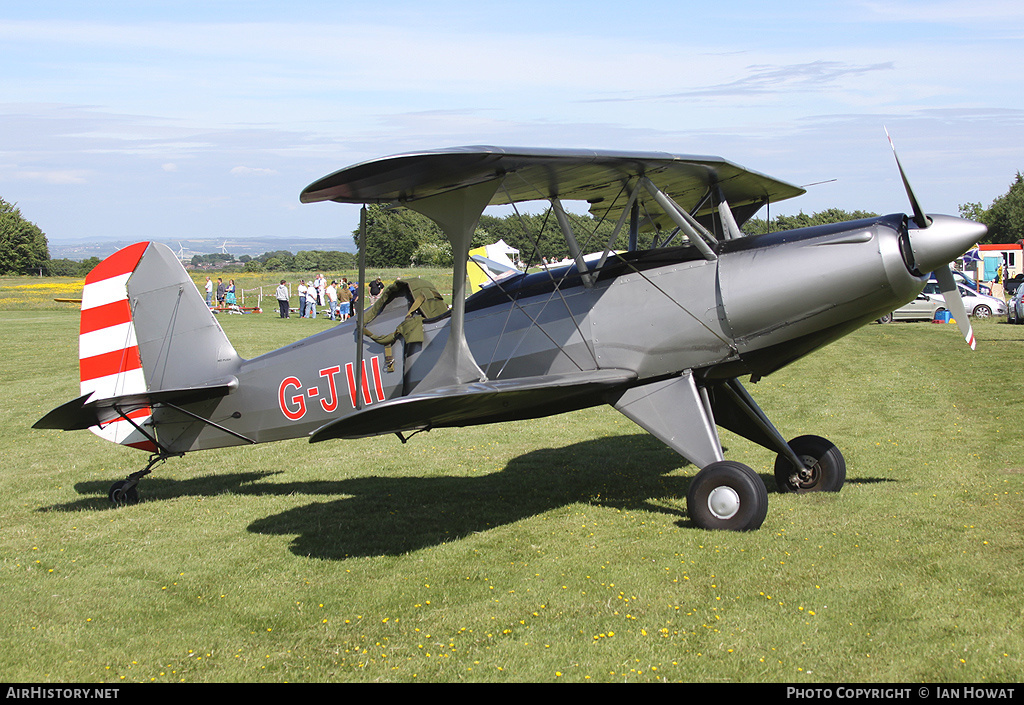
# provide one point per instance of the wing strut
(570, 240)
(360, 305)
(729, 225)
(618, 226)
(457, 214)
(699, 237)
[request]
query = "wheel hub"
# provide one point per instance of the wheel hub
(724, 502)
(809, 475)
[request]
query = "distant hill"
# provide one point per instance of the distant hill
(82, 249)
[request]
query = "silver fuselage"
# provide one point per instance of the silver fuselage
(764, 302)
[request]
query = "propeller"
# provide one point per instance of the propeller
(951, 293)
(935, 243)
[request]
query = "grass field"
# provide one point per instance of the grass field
(41, 293)
(549, 550)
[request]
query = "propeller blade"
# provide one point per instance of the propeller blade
(922, 220)
(955, 304)
(935, 243)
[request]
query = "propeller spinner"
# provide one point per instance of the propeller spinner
(935, 243)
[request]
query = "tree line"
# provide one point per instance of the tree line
(23, 246)
(1004, 217)
(400, 238)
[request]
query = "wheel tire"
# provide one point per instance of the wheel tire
(982, 311)
(825, 465)
(119, 495)
(887, 318)
(727, 495)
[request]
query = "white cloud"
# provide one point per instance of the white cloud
(55, 177)
(945, 11)
(252, 171)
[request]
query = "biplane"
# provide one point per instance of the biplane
(663, 334)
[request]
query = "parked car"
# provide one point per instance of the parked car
(930, 301)
(1015, 309)
(977, 304)
(923, 308)
(965, 280)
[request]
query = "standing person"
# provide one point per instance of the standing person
(310, 301)
(282, 299)
(229, 293)
(354, 288)
(209, 292)
(321, 286)
(332, 300)
(376, 286)
(302, 298)
(220, 291)
(344, 297)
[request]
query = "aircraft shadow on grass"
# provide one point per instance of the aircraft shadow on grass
(393, 516)
(378, 515)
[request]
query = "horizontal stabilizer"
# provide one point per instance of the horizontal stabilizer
(81, 413)
(478, 403)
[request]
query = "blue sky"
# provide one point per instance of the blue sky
(176, 120)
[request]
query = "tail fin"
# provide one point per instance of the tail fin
(108, 351)
(145, 328)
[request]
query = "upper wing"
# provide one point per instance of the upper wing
(598, 177)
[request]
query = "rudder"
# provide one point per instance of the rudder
(144, 328)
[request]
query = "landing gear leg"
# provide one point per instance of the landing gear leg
(725, 494)
(126, 491)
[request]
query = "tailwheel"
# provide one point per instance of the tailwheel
(124, 492)
(727, 495)
(824, 468)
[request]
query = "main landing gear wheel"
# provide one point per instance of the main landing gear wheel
(124, 492)
(825, 468)
(727, 495)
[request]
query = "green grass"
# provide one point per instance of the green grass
(24, 293)
(548, 550)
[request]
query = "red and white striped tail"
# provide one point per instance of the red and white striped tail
(108, 352)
